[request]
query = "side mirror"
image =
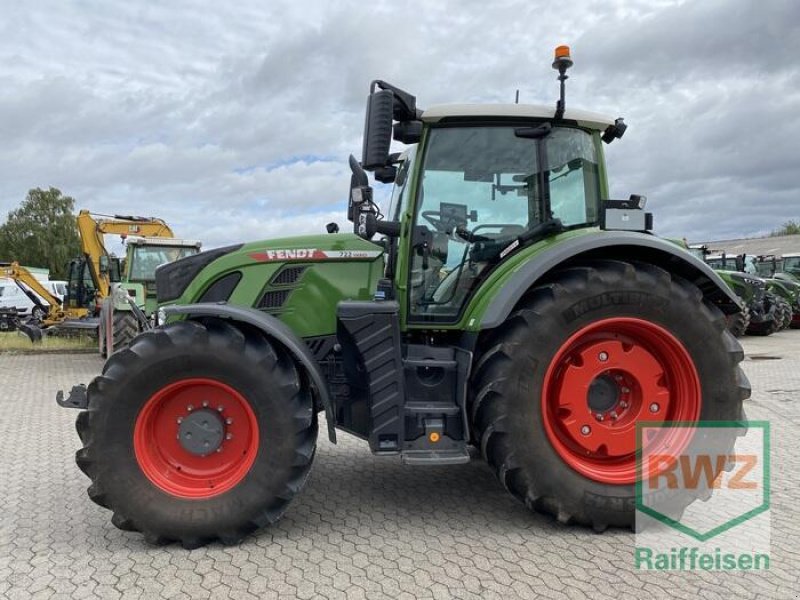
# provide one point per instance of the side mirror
(615, 131)
(378, 129)
(332, 228)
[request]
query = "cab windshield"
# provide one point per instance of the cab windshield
(487, 183)
(146, 259)
(791, 264)
(729, 264)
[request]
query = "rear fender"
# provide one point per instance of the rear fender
(619, 245)
(278, 332)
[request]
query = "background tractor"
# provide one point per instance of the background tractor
(508, 306)
(784, 274)
(760, 313)
(768, 311)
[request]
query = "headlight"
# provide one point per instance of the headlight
(759, 283)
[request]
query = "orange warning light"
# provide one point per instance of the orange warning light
(434, 437)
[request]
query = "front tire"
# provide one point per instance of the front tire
(527, 411)
(251, 433)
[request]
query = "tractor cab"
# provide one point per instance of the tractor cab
(477, 185)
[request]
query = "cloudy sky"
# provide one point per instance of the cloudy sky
(234, 122)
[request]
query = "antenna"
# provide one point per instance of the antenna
(561, 63)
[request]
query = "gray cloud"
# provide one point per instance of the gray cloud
(235, 124)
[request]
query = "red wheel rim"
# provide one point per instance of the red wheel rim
(604, 379)
(168, 464)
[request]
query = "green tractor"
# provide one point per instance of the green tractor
(751, 291)
(783, 274)
(132, 305)
(508, 309)
(768, 312)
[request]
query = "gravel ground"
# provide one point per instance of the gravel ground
(363, 526)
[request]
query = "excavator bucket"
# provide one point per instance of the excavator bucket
(34, 332)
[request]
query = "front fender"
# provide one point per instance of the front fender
(619, 245)
(274, 329)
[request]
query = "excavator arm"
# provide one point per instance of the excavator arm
(21, 275)
(92, 228)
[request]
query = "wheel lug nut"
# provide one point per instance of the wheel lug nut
(205, 403)
(613, 415)
(599, 417)
(229, 421)
(190, 408)
(586, 430)
(625, 390)
(623, 404)
(180, 420)
(220, 408)
(603, 356)
(654, 407)
(229, 436)
(219, 449)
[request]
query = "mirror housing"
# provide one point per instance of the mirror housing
(615, 131)
(377, 129)
(408, 132)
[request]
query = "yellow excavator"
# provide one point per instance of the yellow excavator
(92, 227)
(99, 285)
(125, 294)
(54, 312)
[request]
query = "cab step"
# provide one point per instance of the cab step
(455, 456)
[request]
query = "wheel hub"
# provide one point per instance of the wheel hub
(603, 394)
(201, 432)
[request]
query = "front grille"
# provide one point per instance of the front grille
(273, 299)
(288, 275)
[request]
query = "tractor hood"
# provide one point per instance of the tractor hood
(298, 280)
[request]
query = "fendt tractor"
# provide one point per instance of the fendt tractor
(507, 308)
(764, 312)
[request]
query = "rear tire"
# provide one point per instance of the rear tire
(739, 322)
(786, 313)
(771, 325)
(508, 409)
(142, 471)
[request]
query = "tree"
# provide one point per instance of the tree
(788, 228)
(41, 232)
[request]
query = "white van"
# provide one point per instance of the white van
(11, 296)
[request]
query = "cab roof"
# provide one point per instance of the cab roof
(584, 118)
